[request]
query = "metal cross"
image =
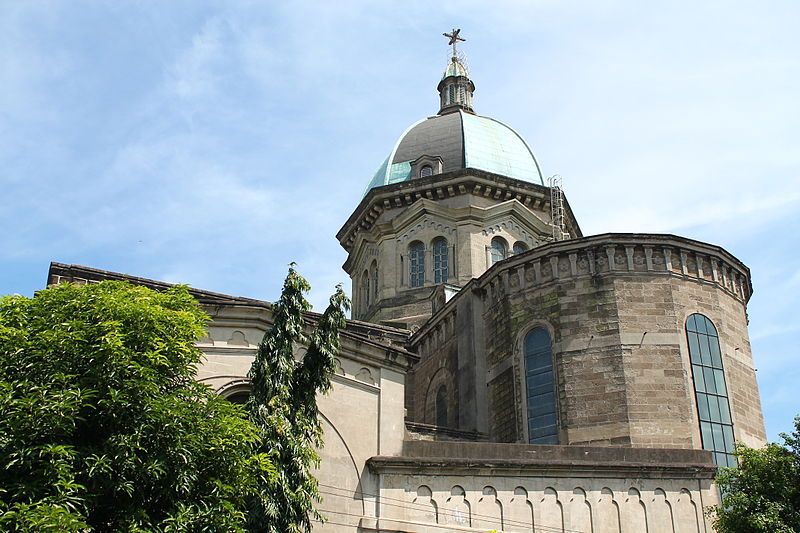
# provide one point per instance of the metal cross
(454, 38)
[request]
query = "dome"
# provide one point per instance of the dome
(462, 140)
(455, 68)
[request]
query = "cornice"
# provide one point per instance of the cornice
(440, 186)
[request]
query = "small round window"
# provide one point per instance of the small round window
(425, 171)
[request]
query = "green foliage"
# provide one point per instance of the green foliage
(103, 426)
(283, 405)
(763, 494)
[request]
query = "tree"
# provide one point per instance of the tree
(103, 426)
(763, 494)
(283, 405)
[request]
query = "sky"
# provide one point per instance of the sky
(214, 142)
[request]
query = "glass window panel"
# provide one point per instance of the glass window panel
(537, 380)
(720, 459)
(719, 381)
(710, 328)
(724, 411)
(708, 377)
(727, 433)
(550, 439)
(732, 461)
(540, 363)
(440, 260)
(542, 405)
(716, 357)
(694, 347)
(538, 340)
(702, 324)
(498, 250)
(719, 440)
(702, 406)
(540, 384)
(705, 432)
(690, 324)
(543, 425)
(713, 408)
(699, 382)
(416, 253)
(705, 350)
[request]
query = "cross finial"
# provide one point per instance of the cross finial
(454, 38)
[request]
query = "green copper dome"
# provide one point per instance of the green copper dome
(455, 68)
(461, 140)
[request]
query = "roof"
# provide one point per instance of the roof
(462, 140)
(377, 334)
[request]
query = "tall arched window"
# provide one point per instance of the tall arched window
(711, 393)
(374, 275)
(541, 390)
(416, 260)
(365, 289)
(519, 247)
(499, 249)
(441, 406)
(440, 271)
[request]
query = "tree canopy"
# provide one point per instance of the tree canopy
(763, 493)
(103, 426)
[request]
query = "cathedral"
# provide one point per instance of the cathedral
(502, 371)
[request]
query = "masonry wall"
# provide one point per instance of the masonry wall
(616, 308)
(438, 486)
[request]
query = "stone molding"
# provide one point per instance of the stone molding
(446, 185)
(619, 254)
(527, 460)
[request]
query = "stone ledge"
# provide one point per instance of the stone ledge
(477, 458)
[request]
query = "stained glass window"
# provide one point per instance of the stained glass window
(711, 392)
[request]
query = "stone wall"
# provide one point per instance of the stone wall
(616, 307)
(437, 486)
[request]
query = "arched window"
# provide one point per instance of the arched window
(711, 393)
(425, 171)
(499, 248)
(441, 406)
(239, 397)
(416, 260)
(374, 270)
(519, 247)
(540, 386)
(440, 271)
(365, 289)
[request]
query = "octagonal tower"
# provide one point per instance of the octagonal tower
(457, 193)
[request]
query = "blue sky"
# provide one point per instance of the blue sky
(211, 143)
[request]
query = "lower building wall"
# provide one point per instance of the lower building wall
(434, 503)
(438, 486)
